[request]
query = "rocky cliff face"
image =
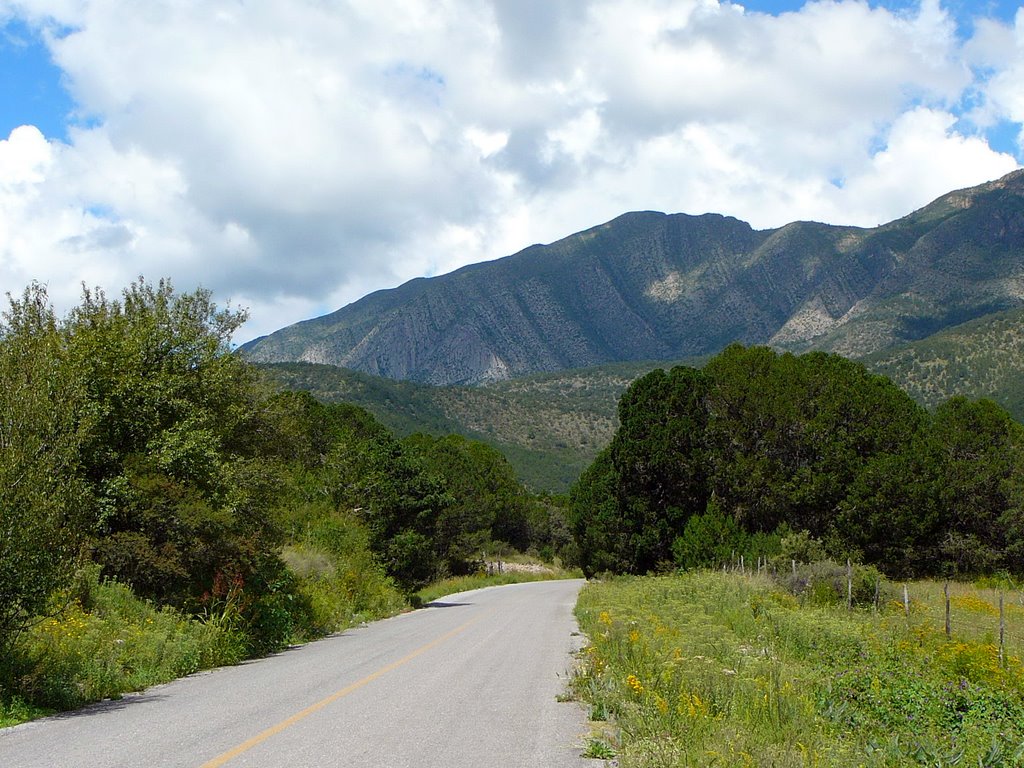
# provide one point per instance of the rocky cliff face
(655, 286)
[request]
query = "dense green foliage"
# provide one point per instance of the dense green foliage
(757, 443)
(40, 490)
(135, 446)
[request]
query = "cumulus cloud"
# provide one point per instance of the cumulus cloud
(292, 156)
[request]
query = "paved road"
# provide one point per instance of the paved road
(470, 681)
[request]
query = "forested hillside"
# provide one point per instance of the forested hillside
(981, 358)
(758, 446)
(551, 426)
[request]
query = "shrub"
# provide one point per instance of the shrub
(708, 539)
(120, 644)
(825, 582)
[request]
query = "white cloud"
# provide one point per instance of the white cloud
(294, 155)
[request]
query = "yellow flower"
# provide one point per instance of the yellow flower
(694, 705)
(605, 618)
(634, 683)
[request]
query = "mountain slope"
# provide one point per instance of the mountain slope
(550, 426)
(981, 358)
(655, 286)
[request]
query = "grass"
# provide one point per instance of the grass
(712, 669)
(105, 641)
(118, 644)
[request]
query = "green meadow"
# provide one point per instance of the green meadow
(720, 669)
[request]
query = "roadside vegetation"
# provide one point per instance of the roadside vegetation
(782, 491)
(164, 511)
(706, 668)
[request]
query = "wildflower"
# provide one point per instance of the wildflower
(634, 636)
(634, 683)
(605, 618)
(693, 705)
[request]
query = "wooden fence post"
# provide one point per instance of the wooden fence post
(849, 585)
(1002, 632)
(945, 591)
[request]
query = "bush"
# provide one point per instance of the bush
(802, 547)
(337, 581)
(708, 540)
(825, 582)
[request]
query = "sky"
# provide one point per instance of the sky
(292, 156)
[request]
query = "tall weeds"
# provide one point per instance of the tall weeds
(104, 643)
(712, 669)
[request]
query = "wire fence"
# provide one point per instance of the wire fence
(991, 616)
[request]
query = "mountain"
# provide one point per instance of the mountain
(651, 286)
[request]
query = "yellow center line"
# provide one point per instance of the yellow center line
(259, 738)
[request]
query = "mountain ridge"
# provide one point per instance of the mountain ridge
(650, 285)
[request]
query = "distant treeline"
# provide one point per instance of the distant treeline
(133, 439)
(710, 464)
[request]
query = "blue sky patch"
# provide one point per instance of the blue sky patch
(1005, 137)
(31, 91)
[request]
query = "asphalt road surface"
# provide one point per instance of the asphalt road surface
(472, 680)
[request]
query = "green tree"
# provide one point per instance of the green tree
(978, 445)
(182, 490)
(788, 434)
(488, 503)
(709, 539)
(601, 531)
(40, 494)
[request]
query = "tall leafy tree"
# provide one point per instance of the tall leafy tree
(181, 494)
(488, 503)
(40, 434)
(814, 443)
(636, 498)
(977, 447)
(602, 532)
(790, 433)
